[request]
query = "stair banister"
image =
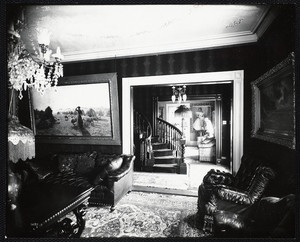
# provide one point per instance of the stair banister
(172, 135)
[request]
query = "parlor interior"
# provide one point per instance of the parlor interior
(143, 110)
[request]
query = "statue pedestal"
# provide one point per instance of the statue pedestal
(207, 151)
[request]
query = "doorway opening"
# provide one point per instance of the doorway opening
(237, 79)
(209, 117)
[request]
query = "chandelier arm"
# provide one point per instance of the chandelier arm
(25, 71)
(179, 93)
(10, 102)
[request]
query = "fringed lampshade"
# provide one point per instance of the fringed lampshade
(21, 141)
(183, 112)
(21, 145)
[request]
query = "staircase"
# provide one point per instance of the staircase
(162, 151)
(164, 158)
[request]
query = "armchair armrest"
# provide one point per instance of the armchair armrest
(261, 179)
(216, 177)
(123, 170)
(232, 194)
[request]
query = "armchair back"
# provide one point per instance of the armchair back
(262, 177)
(245, 174)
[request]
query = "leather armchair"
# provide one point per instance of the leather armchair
(271, 217)
(223, 191)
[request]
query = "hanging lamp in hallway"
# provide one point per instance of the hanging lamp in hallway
(179, 94)
(183, 112)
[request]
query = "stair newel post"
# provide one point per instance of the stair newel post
(182, 166)
(182, 150)
(149, 148)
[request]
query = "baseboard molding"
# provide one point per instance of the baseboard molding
(192, 193)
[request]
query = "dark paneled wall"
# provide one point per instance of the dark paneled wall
(254, 59)
(274, 47)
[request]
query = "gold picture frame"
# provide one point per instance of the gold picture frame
(83, 110)
(273, 104)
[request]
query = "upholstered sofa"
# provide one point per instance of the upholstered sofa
(223, 191)
(41, 191)
(110, 174)
(36, 207)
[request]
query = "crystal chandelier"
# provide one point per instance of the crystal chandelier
(24, 71)
(179, 94)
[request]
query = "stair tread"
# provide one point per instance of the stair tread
(165, 157)
(165, 165)
(162, 150)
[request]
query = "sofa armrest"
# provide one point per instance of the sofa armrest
(41, 171)
(216, 177)
(127, 165)
(232, 194)
(43, 167)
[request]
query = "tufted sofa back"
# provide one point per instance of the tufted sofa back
(249, 163)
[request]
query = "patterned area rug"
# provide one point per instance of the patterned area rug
(145, 215)
(161, 180)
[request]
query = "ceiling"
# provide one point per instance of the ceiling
(89, 32)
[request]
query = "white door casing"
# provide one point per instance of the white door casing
(236, 77)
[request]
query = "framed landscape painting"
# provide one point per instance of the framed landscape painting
(273, 101)
(82, 110)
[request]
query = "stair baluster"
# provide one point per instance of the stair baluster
(171, 135)
(168, 134)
